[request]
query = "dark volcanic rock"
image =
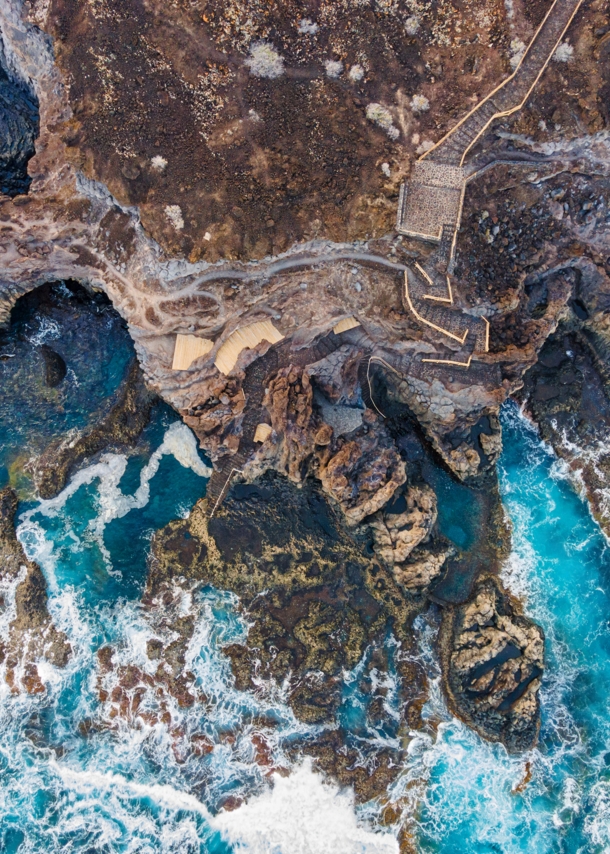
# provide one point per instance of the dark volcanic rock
(567, 392)
(32, 632)
(493, 661)
(55, 366)
(18, 131)
(315, 601)
(260, 159)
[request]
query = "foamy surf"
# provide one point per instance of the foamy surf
(75, 778)
(110, 502)
(179, 442)
(302, 814)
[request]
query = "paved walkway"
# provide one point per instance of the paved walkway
(430, 208)
(430, 203)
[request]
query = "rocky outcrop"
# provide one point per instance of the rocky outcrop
(493, 663)
(289, 401)
(18, 130)
(315, 602)
(55, 366)
(399, 532)
(30, 633)
(567, 392)
(362, 474)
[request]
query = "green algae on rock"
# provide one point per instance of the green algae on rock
(314, 594)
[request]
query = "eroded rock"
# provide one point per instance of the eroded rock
(364, 473)
(315, 602)
(397, 534)
(494, 662)
(31, 634)
(18, 130)
(55, 366)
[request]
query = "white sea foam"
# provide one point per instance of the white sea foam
(48, 330)
(597, 823)
(123, 790)
(178, 441)
(86, 781)
(302, 814)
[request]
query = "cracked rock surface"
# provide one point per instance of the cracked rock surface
(496, 659)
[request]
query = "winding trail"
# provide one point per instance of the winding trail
(430, 204)
(430, 208)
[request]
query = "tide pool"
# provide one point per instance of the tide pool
(94, 342)
(75, 779)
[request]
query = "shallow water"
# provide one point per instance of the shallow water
(76, 780)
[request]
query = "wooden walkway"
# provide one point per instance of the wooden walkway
(511, 95)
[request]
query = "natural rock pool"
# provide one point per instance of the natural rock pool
(77, 778)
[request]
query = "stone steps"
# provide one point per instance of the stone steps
(467, 334)
(509, 97)
(458, 141)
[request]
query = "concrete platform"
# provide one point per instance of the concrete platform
(431, 199)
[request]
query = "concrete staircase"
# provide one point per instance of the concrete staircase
(465, 334)
(511, 95)
(459, 141)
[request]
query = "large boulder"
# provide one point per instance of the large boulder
(494, 660)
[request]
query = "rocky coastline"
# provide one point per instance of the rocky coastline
(119, 428)
(328, 529)
(32, 634)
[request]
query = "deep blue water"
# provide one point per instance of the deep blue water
(74, 779)
(95, 345)
(560, 566)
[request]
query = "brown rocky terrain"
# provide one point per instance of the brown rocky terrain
(203, 198)
(32, 635)
(257, 161)
(495, 661)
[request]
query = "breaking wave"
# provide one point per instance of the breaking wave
(95, 764)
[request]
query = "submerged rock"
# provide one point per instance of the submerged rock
(121, 426)
(315, 598)
(493, 660)
(55, 366)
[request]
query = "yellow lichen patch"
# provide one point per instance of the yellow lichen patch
(246, 337)
(263, 431)
(345, 324)
(187, 349)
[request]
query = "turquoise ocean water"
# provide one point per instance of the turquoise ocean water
(74, 780)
